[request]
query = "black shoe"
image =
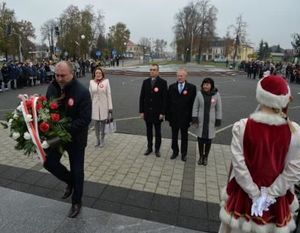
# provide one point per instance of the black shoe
(183, 158)
(200, 161)
(148, 151)
(157, 153)
(68, 192)
(74, 211)
(204, 161)
(174, 156)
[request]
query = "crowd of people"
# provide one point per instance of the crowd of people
(16, 75)
(255, 69)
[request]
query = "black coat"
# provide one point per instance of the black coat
(77, 105)
(180, 106)
(153, 100)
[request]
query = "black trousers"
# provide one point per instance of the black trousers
(157, 127)
(184, 140)
(75, 176)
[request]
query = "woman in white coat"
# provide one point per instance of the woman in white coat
(101, 103)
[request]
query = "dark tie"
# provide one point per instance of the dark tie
(152, 82)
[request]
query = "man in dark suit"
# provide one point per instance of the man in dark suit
(74, 101)
(181, 97)
(153, 100)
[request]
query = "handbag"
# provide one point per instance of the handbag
(110, 125)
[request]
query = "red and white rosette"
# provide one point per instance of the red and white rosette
(32, 124)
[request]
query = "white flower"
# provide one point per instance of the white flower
(10, 122)
(26, 136)
(28, 117)
(15, 116)
(15, 135)
(19, 108)
(45, 145)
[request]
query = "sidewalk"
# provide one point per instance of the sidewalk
(27, 213)
(121, 180)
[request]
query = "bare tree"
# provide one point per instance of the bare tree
(205, 31)
(98, 31)
(228, 42)
(159, 46)
(195, 28)
(145, 42)
(239, 35)
(296, 43)
(47, 31)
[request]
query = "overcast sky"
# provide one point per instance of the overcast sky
(273, 21)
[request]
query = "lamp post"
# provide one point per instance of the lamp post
(82, 37)
(10, 32)
(144, 57)
(187, 54)
(125, 45)
(264, 51)
(20, 48)
(192, 37)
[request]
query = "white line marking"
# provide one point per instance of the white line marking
(128, 118)
(218, 131)
(222, 129)
(192, 134)
(233, 96)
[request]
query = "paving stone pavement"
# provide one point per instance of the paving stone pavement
(27, 213)
(120, 169)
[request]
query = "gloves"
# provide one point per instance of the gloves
(262, 203)
(218, 122)
(195, 120)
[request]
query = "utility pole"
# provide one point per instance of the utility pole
(51, 42)
(20, 48)
(192, 46)
(10, 32)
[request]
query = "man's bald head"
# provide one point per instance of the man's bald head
(63, 73)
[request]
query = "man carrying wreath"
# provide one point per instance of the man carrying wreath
(74, 101)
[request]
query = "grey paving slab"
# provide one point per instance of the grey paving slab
(26, 213)
(121, 180)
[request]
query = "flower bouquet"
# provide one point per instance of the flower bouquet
(36, 125)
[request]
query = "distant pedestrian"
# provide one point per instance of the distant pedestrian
(207, 114)
(181, 97)
(153, 100)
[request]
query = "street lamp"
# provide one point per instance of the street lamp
(79, 44)
(187, 53)
(125, 53)
(144, 57)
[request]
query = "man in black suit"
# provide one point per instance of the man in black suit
(181, 97)
(74, 102)
(153, 100)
